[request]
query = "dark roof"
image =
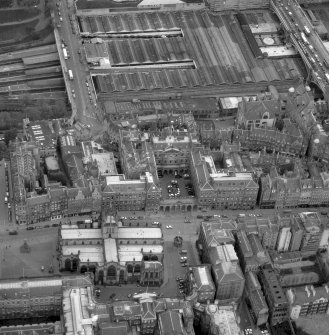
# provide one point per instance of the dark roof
(170, 323)
(113, 328)
(35, 329)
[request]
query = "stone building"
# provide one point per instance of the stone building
(200, 284)
(118, 255)
(308, 300)
(275, 297)
(221, 190)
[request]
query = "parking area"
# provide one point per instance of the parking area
(176, 188)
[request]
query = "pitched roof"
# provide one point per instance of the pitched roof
(148, 311)
(170, 323)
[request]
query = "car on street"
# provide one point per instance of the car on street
(183, 261)
(13, 232)
(184, 265)
(55, 225)
(129, 295)
(29, 228)
(155, 223)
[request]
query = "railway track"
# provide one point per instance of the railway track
(23, 79)
(33, 91)
(209, 91)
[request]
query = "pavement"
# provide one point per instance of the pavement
(14, 264)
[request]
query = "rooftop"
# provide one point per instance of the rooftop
(203, 278)
(306, 294)
(79, 234)
(105, 163)
(35, 288)
(200, 38)
(224, 319)
(139, 233)
(91, 253)
(110, 250)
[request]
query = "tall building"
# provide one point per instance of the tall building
(120, 194)
(284, 239)
(312, 232)
(227, 274)
(213, 234)
(221, 190)
(275, 297)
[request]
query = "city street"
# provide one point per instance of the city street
(3, 206)
(68, 31)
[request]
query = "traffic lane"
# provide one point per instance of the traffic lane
(73, 63)
(3, 189)
(172, 269)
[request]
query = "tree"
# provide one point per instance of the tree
(10, 135)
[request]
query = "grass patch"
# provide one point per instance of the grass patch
(7, 16)
(17, 31)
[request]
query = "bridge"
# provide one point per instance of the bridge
(306, 40)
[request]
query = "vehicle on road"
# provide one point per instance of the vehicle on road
(70, 74)
(155, 223)
(65, 53)
(55, 225)
(29, 228)
(183, 252)
(13, 232)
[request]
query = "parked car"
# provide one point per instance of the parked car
(13, 232)
(29, 228)
(55, 225)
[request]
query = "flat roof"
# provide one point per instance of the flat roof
(279, 51)
(79, 234)
(142, 233)
(105, 163)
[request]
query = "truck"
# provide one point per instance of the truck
(307, 30)
(65, 53)
(70, 75)
(304, 38)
